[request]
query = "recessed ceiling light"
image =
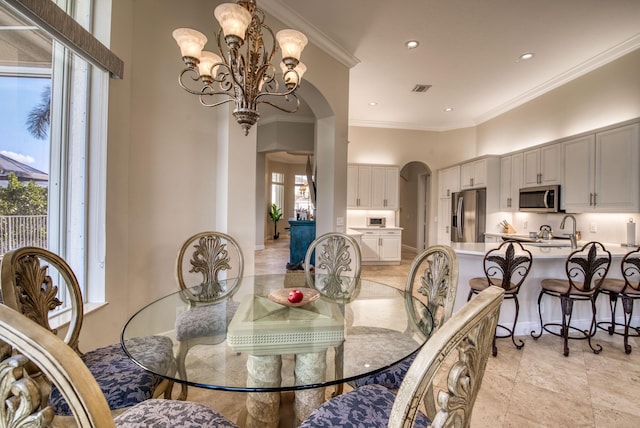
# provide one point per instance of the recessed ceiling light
(526, 56)
(412, 44)
(373, 103)
(448, 109)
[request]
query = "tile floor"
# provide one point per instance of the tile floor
(534, 387)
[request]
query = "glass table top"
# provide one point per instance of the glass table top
(369, 327)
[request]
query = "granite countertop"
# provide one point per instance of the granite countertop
(538, 252)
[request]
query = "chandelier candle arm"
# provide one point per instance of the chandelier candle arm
(243, 72)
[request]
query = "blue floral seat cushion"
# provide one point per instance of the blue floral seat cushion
(123, 382)
(391, 377)
(366, 407)
(205, 320)
(171, 414)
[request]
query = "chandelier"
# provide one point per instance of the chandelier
(243, 73)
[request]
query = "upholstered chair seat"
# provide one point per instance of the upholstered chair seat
(170, 414)
(368, 406)
(480, 284)
(122, 381)
(205, 321)
(434, 275)
(209, 269)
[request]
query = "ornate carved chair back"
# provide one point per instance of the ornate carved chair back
(507, 266)
(336, 272)
(630, 266)
(26, 345)
(434, 275)
(32, 281)
(587, 267)
(458, 351)
(209, 267)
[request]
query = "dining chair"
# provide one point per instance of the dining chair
(627, 290)
(28, 281)
(433, 277)
(459, 350)
(585, 269)
(24, 344)
(337, 266)
(209, 268)
(506, 266)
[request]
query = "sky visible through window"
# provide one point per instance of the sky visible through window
(18, 96)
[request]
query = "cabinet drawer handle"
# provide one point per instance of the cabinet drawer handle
(595, 199)
(590, 199)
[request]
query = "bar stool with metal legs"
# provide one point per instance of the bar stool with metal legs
(585, 269)
(506, 266)
(628, 290)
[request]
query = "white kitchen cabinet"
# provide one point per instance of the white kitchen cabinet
(474, 174)
(601, 172)
(372, 186)
(359, 186)
(444, 221)
(477, 173)
(381, 246)
(542, 166)
(449, 180)
(510, 181)
(384, 187)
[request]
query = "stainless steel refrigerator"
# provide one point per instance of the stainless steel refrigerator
(468, 215)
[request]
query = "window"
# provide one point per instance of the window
(277, 189)
(39, 74)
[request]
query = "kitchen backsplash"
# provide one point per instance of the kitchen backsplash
(358, 218)
(602, 227)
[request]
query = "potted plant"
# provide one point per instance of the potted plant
(275, 214)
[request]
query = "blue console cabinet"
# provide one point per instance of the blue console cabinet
(302, 233)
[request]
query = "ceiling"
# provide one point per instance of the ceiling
(469, 52)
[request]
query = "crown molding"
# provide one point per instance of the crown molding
(288, 16)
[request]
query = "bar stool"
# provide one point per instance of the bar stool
(506, 266)
(586, 269)
(628, 289)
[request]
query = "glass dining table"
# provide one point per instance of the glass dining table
(268, 345)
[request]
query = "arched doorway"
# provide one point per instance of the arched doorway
(415, 190)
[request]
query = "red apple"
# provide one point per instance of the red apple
(295, 296)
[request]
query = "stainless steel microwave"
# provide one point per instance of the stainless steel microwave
(541, 199)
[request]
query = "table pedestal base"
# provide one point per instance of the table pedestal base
(310, 368)
(263, 408)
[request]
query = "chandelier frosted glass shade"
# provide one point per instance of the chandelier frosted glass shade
(243, 73)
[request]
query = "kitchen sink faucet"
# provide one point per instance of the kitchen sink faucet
(572, 236)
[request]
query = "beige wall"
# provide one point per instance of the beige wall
(162, 156)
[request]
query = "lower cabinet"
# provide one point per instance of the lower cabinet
(381, 246)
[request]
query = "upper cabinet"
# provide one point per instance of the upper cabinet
(477, 173)
(542, 166)
(474, 174)
(601, 171)
(449, 179)
(510, 181)
(372, 186)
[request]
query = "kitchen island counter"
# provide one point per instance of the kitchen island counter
(548, 262)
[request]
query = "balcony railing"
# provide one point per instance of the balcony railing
(22, 230)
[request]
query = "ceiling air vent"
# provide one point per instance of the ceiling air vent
(421, 88)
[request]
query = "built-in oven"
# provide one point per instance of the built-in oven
(540, 199)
